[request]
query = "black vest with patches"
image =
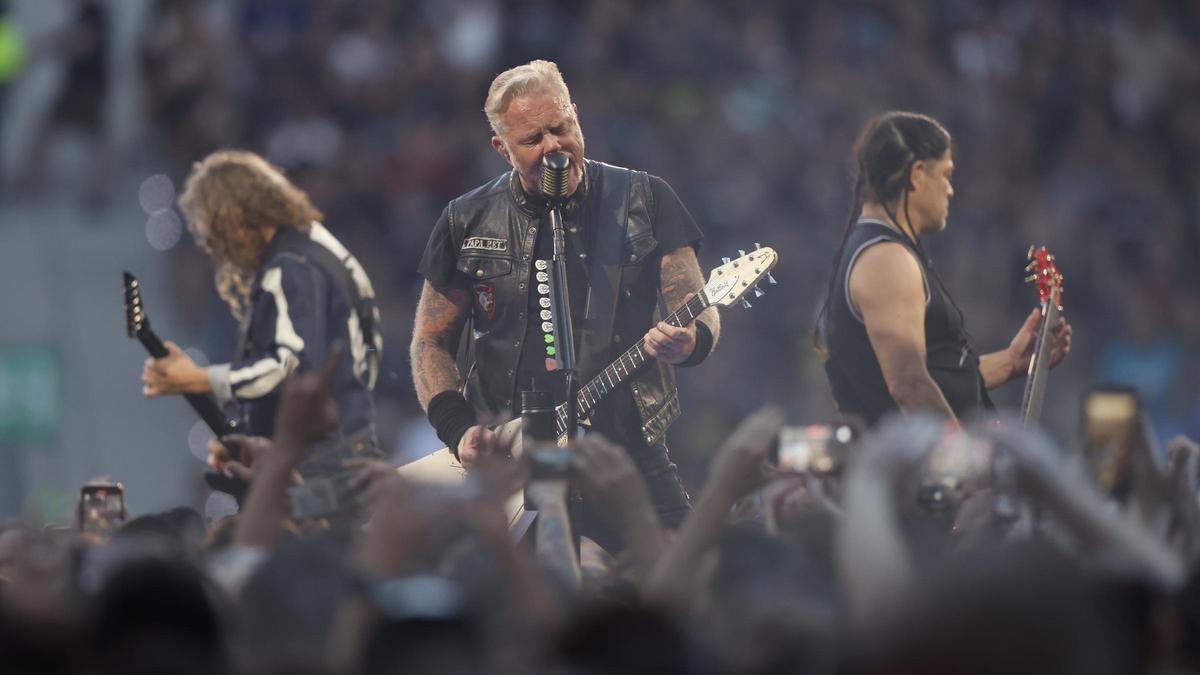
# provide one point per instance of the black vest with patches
(854, 374)
(494, 229)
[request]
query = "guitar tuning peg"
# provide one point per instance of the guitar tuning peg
(746, 303)
(741, 252)
(771, 279)
(1031, 277)
(1029, 253)
(1030, 266)
(758, 292)
(725, 260)
(757, 245)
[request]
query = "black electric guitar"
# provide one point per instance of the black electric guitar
(137, 325)
(1045, 274)
(727, 285)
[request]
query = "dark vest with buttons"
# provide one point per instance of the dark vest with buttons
(494, 229)
(854, 374)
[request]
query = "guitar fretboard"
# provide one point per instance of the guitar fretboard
(627, 364)
(1039, 365)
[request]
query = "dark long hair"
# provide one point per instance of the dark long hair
(881, 164)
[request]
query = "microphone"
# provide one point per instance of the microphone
(556, 168)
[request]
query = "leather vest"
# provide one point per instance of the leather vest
(494, 229)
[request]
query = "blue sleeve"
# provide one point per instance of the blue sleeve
(287, 332)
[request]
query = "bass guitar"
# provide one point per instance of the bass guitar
(1045, 274)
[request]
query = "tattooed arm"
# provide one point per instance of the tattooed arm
(555, 545)
(680, 278)
(436, 331)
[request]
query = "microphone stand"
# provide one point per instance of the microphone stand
(560, 305)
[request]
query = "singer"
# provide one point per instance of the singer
(631, 258)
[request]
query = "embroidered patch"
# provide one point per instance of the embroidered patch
(485, 244)
(485, 297)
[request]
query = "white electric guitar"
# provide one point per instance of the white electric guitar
(727, 285)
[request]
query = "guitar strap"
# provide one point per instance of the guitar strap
(340, 276)
(611, 219)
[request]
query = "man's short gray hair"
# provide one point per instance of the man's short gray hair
(533, 77)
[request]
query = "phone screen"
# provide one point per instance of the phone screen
(816, 448)
(101, 507)
(1108, 415)
(1109, 419)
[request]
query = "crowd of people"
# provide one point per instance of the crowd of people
(912, 549)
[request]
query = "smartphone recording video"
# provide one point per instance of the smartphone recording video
(1109, 419)
(101, 507)
(816, 448)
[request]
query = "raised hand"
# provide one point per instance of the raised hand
(251, 449)
(307, 413)
(740, 464)
(610, 481)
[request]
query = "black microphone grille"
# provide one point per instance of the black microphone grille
(555, 171)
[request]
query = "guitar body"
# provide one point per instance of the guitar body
(726, 285)
(441, 468)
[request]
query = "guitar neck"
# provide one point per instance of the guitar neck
(203, 404)
(1039, 365)
(620, 370)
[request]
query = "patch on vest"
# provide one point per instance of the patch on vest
(485, 244)
(485, 298)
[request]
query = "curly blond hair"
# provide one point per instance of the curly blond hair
(233, 202)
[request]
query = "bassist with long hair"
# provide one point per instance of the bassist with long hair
(893, 335)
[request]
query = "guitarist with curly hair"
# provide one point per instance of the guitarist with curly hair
(296, 292)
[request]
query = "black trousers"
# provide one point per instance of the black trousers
(667, 495)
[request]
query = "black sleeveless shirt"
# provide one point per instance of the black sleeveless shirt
(852, 367)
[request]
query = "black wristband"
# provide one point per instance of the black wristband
(451, 416)
(704, 345)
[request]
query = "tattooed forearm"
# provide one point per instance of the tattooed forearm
(555, 546)
(681, 275)
(436, 331)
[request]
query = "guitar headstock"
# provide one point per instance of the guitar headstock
(735, 278)
(1045, 273)
(135, 314)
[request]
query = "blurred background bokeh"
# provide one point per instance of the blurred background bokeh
(1076, 125)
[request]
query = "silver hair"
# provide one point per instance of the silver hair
(533, 77)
